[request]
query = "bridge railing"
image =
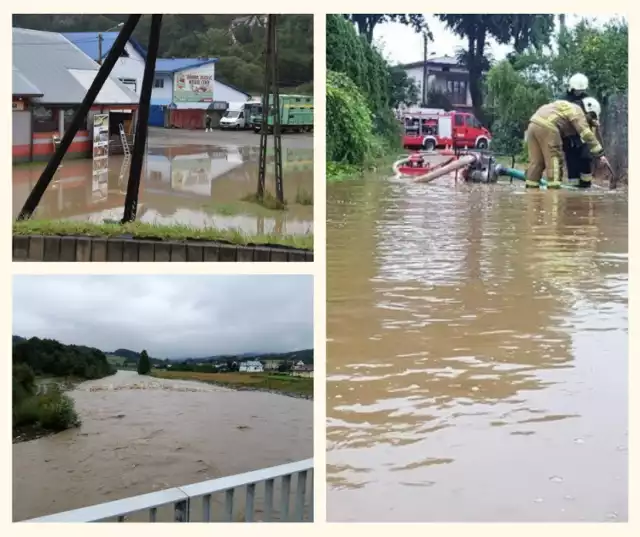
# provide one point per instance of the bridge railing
(269, 496)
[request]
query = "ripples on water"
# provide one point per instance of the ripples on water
(477, 357)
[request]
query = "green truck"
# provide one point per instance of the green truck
(296, 114)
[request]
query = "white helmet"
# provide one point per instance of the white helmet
(578, 82)
(592, 105)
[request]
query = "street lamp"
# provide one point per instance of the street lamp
(119, 25)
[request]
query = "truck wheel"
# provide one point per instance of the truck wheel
(482, 144)
(429, 145)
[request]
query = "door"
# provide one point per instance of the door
(460, 129)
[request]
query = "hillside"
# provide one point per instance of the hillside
(240, 52)
(305, 355)
(48, 357)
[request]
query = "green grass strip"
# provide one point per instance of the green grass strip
(145, 231)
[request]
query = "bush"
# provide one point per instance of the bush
(51, 410)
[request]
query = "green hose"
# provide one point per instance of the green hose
(515, 174)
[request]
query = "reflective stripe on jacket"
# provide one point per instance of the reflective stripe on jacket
(569, 119)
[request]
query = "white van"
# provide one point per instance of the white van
(236, 117)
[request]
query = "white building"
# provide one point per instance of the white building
(185, 82)
(444, 75)
(251, 366)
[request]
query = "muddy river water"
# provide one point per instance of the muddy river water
(477, 355)
(192, 184)
(141, 435)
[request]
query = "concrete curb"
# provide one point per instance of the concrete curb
(70, 249)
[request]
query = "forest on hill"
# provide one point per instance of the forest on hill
(239, 47)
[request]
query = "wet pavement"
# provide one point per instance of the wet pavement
(194, 184)
(477, 356)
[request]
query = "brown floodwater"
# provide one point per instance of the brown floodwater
(198, 186)
(141, 435)
(477, 354)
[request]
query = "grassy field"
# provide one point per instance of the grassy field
(140, 230)
(285, 384)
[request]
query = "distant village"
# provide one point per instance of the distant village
(290, 367)
(296, 363)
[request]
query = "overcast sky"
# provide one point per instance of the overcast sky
(401, 44)
(169, 316)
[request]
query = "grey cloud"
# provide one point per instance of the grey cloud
(169, 316)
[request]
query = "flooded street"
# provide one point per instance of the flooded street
(189, 179)
(477, 355)
(141, 434)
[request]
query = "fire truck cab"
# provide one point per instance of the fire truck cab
(430, 129)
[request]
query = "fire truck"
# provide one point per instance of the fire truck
(432, 128)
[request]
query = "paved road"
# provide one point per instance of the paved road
(159, 137)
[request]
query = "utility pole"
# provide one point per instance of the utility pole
(270, 85)
(425, 71)
(99, 49)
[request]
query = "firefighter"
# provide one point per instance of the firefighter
(579, 159)
(576, 153)
(547, 127)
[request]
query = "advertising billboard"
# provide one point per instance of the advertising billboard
(194, 85)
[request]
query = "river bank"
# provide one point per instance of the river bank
(291, 386)
(35, 429)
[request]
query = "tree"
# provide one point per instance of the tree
(367, 22)
(511, 101)
(523, 30)
(237, 41)
(402, 88)
(144, 364)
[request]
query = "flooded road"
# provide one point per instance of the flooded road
(194, 184)
(141, 435)
(477, 355)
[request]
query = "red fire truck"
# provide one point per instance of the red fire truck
(432, 128)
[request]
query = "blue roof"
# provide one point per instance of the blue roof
(87, 42)
(171, 65)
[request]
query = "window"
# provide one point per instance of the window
(131, 82)
(68, 117)
(459, 121)
(158, 83)
(45, 119)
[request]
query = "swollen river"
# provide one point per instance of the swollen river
(142, 434)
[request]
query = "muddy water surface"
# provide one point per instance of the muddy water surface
(194, 185)
(141, 435)
(477, 356)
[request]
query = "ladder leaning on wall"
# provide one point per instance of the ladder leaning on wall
(127, 153)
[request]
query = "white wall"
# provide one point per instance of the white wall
(166, 92)
(222, 92)
(434, 82)
(130, 68)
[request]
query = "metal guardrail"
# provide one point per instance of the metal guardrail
(185, 503)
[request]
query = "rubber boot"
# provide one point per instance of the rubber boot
(585, 181)
(531, 184)
(554, 184)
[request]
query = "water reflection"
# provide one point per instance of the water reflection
(477, 351)
(191, 185)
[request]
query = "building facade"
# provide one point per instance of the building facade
(50, 80)
(445, 75)
(184, 89)
(250, 366)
